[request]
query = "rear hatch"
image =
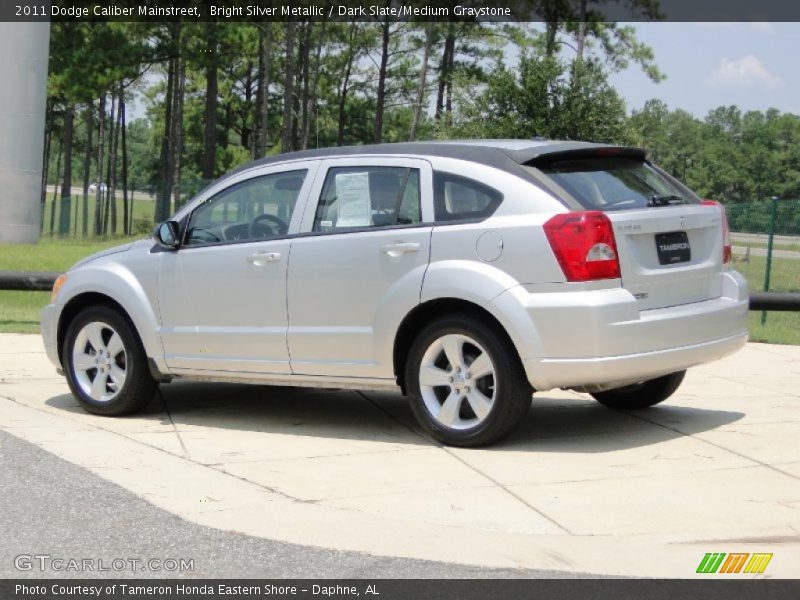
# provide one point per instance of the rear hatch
(669, 243)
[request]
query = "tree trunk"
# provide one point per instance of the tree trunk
(448, 107)
(312, 106)
(177, 120)
(345, 86)
(65, 211)
(55, 192)
(444, 65)
(112, 122)
(48, 136)
(165, 193)
(247, 130)
(98, 206)
(126, 207)
(212, 91)
(87, 165)
(305, 107)
(423, 74)
(262, 95)
(380, 101)
(288, 90)
(582, 27)
(115, 159)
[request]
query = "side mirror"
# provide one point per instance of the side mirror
(167, 235)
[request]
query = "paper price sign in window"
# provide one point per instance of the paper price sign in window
(353, 200)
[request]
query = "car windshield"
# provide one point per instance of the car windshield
(610, 183)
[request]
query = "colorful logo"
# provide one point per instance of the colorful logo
(735, 562)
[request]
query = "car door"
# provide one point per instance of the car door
(356, 268)
(222, 294)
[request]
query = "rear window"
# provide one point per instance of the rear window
(616, 183)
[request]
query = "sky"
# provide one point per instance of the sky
(752, 65)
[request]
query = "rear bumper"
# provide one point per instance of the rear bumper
(586, 338)
(580, 372)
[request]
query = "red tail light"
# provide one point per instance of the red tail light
(726, 232)
(584, 245)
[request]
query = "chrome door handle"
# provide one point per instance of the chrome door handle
(260, 259)
(399, 248)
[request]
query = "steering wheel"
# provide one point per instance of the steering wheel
(198, 235)
(280, 226)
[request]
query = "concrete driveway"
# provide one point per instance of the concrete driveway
(578, 488)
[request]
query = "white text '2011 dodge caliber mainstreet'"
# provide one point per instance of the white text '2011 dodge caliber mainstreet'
(469, 274)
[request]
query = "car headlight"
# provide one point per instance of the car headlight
(60, 281)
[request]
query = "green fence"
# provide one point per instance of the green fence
(766, 249)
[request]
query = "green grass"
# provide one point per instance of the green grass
(142, 215)
(780, 328)
(764, 245)
(19, 311)
(784, 276)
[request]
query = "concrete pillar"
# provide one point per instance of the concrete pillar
(24, 49)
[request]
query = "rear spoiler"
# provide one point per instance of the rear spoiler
(546, 153)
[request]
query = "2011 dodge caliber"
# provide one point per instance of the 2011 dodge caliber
(467, 274)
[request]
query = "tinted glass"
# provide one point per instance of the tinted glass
(357, 197)
(456, 198)
(615, 183)
(259, 208)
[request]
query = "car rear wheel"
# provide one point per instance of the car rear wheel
(641, 395)
(105, 363)
(465, 383)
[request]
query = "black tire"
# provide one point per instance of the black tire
(508, 385)
(138, 387)
(641, 395)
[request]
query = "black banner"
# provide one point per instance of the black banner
(382, 10)
(419, 589)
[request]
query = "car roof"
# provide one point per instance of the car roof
(507, 155)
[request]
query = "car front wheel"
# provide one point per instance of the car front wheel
(465, 382)
(641, 395)
(105, 363)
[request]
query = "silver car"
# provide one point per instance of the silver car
(466, 275)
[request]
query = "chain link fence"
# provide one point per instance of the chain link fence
(766, 250)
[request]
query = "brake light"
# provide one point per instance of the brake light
(584, 245)
(726, 232)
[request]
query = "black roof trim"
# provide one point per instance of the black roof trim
(490, 154)
(568, 152)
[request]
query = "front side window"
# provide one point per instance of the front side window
(357, 197)
(255, 209)
(457, 198)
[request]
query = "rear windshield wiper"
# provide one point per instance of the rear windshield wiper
(666, 200)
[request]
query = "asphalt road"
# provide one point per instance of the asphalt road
(51, 507)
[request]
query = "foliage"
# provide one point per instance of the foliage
(356, 82)
(729, 156)
(543, 97)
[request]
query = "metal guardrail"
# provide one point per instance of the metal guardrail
(27, 280)
(43, 281)
(775, 301)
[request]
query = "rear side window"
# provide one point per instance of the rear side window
(356, 197)
(615, 183)
(457, 198)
